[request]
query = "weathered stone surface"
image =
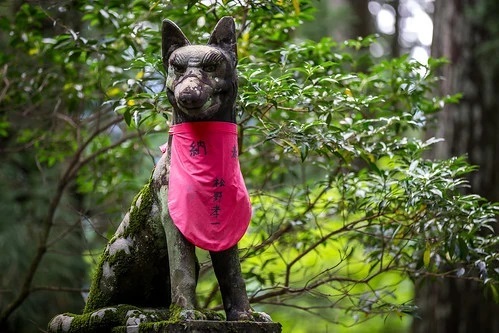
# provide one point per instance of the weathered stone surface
(105, 319)
(201, 326)
(134, 268)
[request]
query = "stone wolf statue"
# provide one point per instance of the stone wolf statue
(202, 87)
(195, 197)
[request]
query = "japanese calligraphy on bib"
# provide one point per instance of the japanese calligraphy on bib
(207, 198)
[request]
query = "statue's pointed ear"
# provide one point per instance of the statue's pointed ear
(224, 36)
(172, 38)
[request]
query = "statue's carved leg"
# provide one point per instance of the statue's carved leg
(228, 272)
(227, 269)
(182, 268)
(182, 261)
(183, 274)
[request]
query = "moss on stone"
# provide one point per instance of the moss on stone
(92, 323)
(137, 256)
(95, 296)
(174, 313)
(204, 326)
(105, 319)
(139, 215)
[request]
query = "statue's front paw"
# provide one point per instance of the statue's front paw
(138, 316)
(249, 316)
(60, 323)
(261, 317)
(186, 315)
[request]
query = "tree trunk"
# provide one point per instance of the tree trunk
(464, 34)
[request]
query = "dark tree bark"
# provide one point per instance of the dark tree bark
(465, 32)
(362, 24)
(470, 127)
(339, 19)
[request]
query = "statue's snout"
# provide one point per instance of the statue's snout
(191, 93)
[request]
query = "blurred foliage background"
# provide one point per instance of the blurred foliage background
(349, 208)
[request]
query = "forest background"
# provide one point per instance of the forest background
(364, 219)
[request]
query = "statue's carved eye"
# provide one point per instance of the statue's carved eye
(178, 68)
(209, 67)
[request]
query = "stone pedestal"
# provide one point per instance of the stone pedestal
(201, 326)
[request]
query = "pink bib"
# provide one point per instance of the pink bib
(207, 198)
